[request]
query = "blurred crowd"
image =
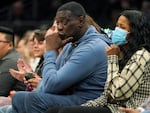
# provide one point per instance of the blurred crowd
(24, 15)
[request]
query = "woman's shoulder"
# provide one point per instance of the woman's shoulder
(143, 53)
(143, 56)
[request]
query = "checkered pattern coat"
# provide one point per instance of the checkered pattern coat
(130, 87)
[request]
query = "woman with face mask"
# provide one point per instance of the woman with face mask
(128, 82)
(119, 35)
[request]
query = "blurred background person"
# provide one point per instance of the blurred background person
(25, 48)
(38, 51)
(8, 59)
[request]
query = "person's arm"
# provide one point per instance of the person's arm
(123, 85)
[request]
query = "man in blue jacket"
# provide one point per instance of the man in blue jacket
(78, 74)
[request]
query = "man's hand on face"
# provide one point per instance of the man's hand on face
(53, 40)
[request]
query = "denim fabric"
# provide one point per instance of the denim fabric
(7, 109)
(146, 111)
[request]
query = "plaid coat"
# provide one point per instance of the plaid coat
(129, 88)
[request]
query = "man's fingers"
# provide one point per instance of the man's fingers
(65, 41)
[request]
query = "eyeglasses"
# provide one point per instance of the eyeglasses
(3, 41)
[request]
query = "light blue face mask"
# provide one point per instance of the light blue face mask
(119, 36)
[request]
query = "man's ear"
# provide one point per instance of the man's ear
(81, 20)
(10, 45)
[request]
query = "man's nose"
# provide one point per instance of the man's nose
(60, 27)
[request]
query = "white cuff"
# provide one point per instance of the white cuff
(141, 109)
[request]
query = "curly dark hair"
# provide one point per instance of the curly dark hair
(139, 36)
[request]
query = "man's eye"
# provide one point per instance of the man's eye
(65, 22)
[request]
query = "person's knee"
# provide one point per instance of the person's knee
(15, 98)
(19, 97)
(18, 100)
